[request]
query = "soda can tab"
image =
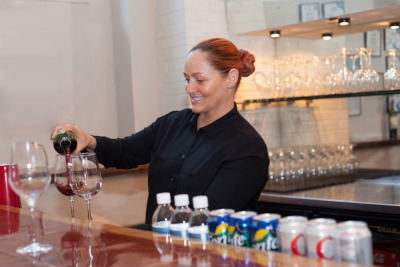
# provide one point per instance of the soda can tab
(240, 228)
(353, 242)
(291, 235)
(319, 238)
(263, 230)
(218, 225)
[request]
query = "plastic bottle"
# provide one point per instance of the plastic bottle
(181, 216)
(65, 142)
(198, 224)
(162, 215)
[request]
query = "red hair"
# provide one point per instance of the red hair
(224, 56)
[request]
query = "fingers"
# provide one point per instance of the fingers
(61, 127)
(85, 141)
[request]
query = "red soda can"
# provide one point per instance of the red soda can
(264, 231)
(291, 235)
(319, 238)
(353, 242)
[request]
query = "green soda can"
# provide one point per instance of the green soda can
(263, 230)
(240, 228)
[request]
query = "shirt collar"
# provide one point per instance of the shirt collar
(216, 126)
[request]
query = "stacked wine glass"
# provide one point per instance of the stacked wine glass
(347, 71)
(296, 168)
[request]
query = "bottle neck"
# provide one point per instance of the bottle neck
(201, 210)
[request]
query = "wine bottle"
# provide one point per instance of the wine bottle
(65, 142)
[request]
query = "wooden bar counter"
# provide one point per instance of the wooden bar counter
(75, 244)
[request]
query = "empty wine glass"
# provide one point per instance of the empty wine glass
(373, 77)
(89, 183)
(360, 77)
(392, 74)
(29, 178)
(344, 74)
(62, 177)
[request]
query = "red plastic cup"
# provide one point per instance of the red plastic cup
(7, 195)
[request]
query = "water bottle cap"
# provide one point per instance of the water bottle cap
(181, 200)
(200, 202)
(163, 198)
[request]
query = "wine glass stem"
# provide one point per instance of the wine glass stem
(71, 200)
(88, 209)
(33, 230)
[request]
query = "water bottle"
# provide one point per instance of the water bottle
(198, 223)
(181, 216)
(65, 142)
(162, 215)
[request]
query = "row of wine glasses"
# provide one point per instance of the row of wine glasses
(78, 175)
(30, 176)
(347, 71)
(309, 166)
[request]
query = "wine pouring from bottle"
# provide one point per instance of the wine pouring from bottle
(65, 142)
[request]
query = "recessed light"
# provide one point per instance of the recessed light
(326, 36)
(344, 21)
(394, 25)
(275, 34)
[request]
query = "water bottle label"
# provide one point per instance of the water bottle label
(161, 227)
(180, 229)
(199, 232)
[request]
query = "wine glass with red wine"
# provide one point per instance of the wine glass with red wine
(89, 184)
(64, 169)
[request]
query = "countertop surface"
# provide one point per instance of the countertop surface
(369, 193)
(76, 243)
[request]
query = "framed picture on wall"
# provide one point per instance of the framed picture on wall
(333, 9)
(392, 39)
(396, 102)
(309, 12)
(373, 41)
(354, 106)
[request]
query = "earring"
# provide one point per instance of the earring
(232, 86)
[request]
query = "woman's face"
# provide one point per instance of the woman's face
(209, 92)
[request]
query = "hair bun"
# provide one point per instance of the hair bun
(248, 60)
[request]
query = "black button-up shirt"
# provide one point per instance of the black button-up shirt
(226, 160)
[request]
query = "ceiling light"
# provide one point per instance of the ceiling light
(326, 36)
(394, 25)
(344, 21)
(275, 34)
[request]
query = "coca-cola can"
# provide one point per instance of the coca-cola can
(319, 238)
(291, 235)
(353, 242)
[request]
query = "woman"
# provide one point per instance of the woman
(209, 149)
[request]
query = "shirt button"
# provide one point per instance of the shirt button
(171, 179)
(183, 156)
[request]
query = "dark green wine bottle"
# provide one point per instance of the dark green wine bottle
(65, 142)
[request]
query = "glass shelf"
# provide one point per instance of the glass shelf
(327, 96)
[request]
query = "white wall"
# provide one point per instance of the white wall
(56, 66)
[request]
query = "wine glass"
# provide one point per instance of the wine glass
(29, 178)
(373, 76)
(63, 171)
(90, 182)
(344, 74)
(392, 74)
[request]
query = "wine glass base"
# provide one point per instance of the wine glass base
(34, 249)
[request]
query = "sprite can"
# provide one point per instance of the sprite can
(240, 228)
(263, 230)
(218, 225)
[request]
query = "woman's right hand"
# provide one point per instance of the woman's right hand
(84, 140)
